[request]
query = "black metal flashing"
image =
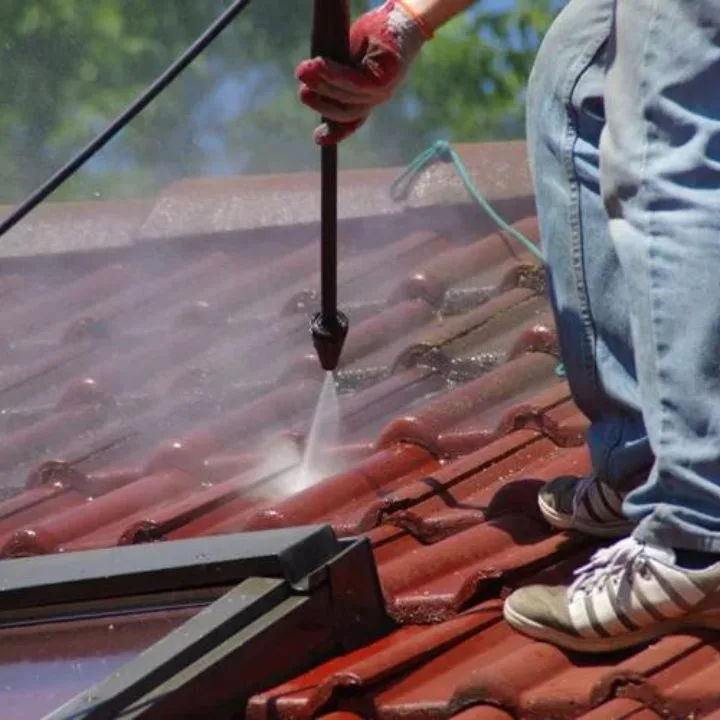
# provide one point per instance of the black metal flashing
(356, 594)
(37, 585)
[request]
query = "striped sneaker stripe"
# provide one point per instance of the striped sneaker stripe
(617, 606)
(589, 510)
(612, 500)
(604, 610)
(650, 605)
(636, 607)
(597, 626)
(597, 506)
(595, 503)
(581, 621)
(678, 587)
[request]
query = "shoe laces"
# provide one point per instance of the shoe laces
(581, 490)
(618, 562)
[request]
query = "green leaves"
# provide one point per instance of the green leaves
(471, 79)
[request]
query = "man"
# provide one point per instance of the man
(624, 146)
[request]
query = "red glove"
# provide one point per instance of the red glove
(383, 44)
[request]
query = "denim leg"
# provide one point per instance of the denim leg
(566, 116)
(660, 172)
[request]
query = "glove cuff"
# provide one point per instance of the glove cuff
(416, 17)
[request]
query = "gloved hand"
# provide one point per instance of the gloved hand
(383, 44)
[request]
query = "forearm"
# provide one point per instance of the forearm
(436, 13)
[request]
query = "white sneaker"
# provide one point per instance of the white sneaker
(628, 594)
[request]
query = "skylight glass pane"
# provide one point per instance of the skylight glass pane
(44, 666)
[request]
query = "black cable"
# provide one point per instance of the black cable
(124, 118)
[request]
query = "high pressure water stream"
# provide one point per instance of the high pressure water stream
(324, 430)
(286, 470)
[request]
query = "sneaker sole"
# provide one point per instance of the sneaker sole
(561, 521)
(537, 631)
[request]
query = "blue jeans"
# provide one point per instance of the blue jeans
(624, 147)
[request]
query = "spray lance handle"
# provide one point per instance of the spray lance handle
(329, 327)
(331, 30)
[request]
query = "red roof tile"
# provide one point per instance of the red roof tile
(168, 394)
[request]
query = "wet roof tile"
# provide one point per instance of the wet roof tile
(167, 392)
(474, 660)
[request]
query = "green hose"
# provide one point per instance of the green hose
(441, 150)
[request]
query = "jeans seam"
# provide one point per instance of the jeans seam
(651, 250)
(577, 252)
(652, 527)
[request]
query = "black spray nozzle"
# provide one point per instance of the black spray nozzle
(328, 334)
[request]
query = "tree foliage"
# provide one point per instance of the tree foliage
(71, 66)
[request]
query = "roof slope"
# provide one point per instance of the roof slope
(168, 391)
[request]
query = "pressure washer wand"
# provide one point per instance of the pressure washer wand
(329, 327)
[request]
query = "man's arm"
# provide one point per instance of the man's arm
(437, 12)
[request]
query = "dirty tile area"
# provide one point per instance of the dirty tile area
(165, 391)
